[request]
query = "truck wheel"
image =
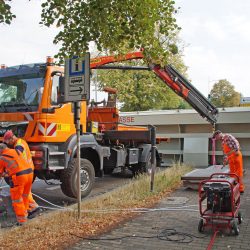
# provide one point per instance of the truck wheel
(144, 167)
(69, 178)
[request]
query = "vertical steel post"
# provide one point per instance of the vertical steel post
(77, 125)
(213, 146)
(153, 156)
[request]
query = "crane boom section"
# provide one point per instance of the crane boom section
(182, 87)
(99, 61)
(173, 79)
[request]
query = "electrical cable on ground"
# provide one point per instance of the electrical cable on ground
(210, 245)
(135, 210)
(51, 208)
(167, 234)
(52, 204)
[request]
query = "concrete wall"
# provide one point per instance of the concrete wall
(190, 134)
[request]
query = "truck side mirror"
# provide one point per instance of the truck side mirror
(60, 95)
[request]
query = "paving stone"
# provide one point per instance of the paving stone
(152, 223)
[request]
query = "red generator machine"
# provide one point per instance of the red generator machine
(219, 203)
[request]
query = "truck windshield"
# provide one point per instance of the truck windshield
(21, 88)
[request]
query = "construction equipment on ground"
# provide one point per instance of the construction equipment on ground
(30, 106)
(222, 196)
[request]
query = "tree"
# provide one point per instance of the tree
(6, 15)
(224, 95)
(138, 90)
(117, 26)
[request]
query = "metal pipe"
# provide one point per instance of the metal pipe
(153, 156)
(77, 125)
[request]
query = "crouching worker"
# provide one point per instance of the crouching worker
(20, 176)
(21, 145)
(232, 155)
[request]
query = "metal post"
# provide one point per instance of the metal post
(153, 157)
(77, 125)
(213, 146)
(213, 152)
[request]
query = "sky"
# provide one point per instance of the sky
(217, 38)
(216, 34)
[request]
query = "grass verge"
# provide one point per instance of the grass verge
(57, 230)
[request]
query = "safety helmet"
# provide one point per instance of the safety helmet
(8, 135)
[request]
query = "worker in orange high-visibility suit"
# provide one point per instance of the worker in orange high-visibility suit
(13, 165)
(21, 145)
(232, 155)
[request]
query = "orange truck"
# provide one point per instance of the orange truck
(30, 106)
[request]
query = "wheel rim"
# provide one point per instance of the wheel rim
(85, 180)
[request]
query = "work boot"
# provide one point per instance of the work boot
(19, 224)
(34, 213)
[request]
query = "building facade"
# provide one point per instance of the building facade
(190, 135)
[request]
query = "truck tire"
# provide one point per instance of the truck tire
(69, 178)
(143, 167)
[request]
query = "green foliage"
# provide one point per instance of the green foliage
(139, 90)
(6, 15)
(184, 105)
(116, 26)
(224, 95)
(113, 25)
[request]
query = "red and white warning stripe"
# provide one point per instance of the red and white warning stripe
(28, 116)
(47, 129)
(41, 128)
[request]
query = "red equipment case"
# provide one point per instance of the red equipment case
(222, 195)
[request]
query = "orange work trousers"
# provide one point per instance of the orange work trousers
(19, 195)
(32, 204)
(236, 166)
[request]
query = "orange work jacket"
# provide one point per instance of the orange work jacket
(12, 162)
(24, 149)
(228, 151)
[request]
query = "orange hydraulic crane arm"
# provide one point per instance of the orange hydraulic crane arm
(182, 87)
(173, 79)
(99, 61)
